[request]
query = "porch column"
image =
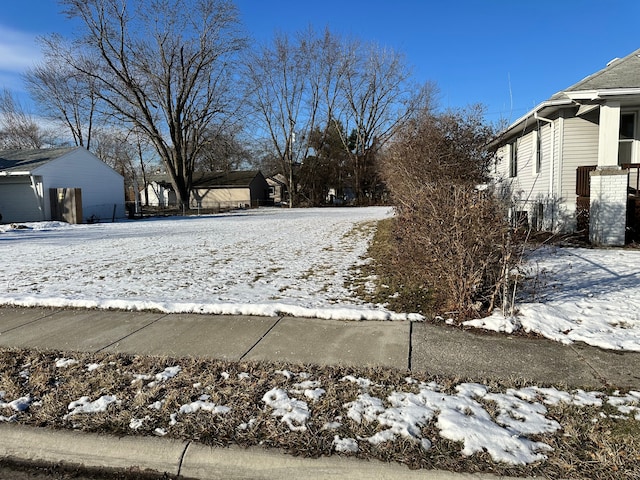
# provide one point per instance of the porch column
(608, 203)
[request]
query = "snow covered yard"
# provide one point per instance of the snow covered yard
(255, 262)
(311, 410)
(579, 294)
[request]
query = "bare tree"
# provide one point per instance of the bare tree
(224, 150)
(128, 153)
(278, 92)
(303, 81)
(377, 98)
(61, 92)
(165, 68)
(18, 129)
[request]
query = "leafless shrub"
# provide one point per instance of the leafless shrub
(451, 235)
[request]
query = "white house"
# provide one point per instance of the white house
(159, 192)
(34, 186)
(572, 162)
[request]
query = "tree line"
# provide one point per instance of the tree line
(139, 82)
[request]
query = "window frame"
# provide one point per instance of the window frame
(537, 149)
(513, 159)
(632, 141)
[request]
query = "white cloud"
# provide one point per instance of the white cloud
(18, 50)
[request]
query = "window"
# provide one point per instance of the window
(626, 138)
(537, 138)
(513, 159)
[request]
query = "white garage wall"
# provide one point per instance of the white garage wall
(102, 187)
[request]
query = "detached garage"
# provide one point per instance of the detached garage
(237, 189)
(68, 184)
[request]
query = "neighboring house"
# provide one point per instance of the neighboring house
(238, 189)
(159, 192)
(572, 162)
(68, 184)
(278, 193)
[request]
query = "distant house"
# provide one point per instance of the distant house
(68, 184)
(225, 190)
(278, 192)
(159, 192)
(572, 162)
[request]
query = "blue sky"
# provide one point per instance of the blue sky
(507, 54)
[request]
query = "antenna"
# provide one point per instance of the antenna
(510, 97)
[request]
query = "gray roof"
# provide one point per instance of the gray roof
(238, 178)
(619, 73)
(29, 160)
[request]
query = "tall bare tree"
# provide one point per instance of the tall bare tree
(165, 68)
(224, 150)
(18, 129)
(278, 91)
(307, 80)
(378, 97)
(61, 92)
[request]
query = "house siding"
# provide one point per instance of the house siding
(222, 197)
(19, 201)
(530, 188)
(580, 148)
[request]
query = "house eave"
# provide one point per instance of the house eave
(6, 173)
(593, 95)
(543, 109)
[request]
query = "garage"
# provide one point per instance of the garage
(28, 178)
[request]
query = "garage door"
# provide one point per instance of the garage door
(18, 202)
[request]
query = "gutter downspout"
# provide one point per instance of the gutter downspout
(39, 195)
(552, 163)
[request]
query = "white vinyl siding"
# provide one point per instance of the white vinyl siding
(102, 187)
(18, 200)
(580, 148)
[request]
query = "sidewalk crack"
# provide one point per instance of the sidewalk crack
(131, 333)
(261, 338)
(410, 345)
(32, 321)
(595, 372)
(184, 453)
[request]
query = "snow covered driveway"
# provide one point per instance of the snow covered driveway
(256, 262)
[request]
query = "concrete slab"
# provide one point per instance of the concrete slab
(223, 337)
(90, 450)
(11, 317)
(333, 342)
(618, 369)
(255, 463)
(159, 457)
(81, 330)
(446, 351)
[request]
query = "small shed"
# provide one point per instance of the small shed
(68, 184)
(225, 190)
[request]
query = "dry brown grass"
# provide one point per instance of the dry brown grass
(590, 445)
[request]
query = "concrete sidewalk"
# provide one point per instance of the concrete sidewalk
(421, 347)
